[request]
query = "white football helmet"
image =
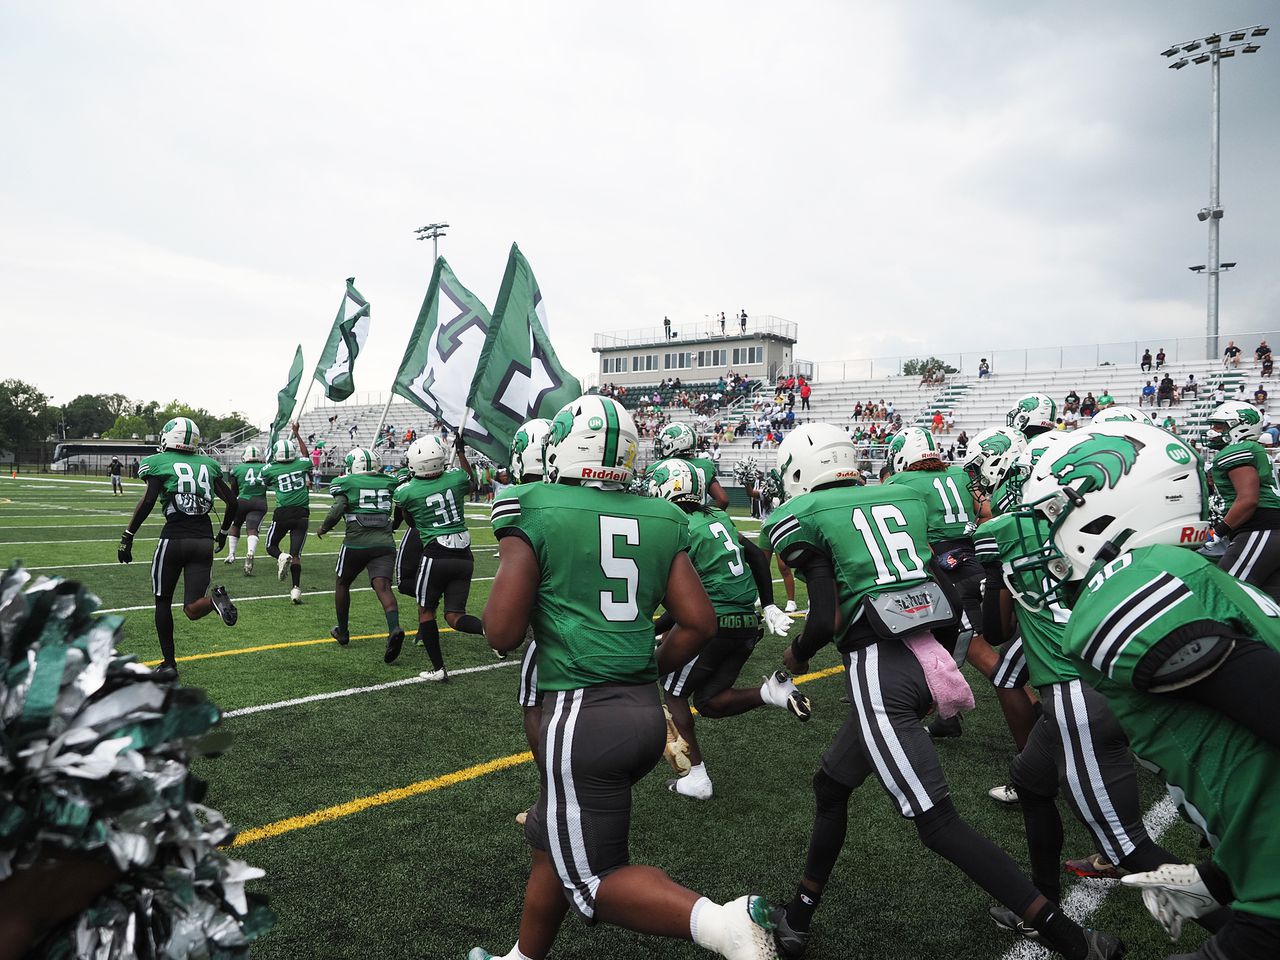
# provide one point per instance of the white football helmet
(992, 454)
(428, 457)
(1110, 489)
(360, 460)
(910, 446)
(1121, 414)
(180, 433)
(676, 481)
(592, 438)
(1033, 414)
(251, 454)
(526, 449)
(1233, 422)
(676, 440)
(284, 451)
(815, 454)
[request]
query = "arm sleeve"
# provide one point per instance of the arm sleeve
(820, 624)
(507, 516)
(336, 510)
(759, 564)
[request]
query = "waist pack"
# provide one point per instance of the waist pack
(455, 541)
(900, 613)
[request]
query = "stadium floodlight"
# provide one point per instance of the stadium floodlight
(1227, 266)
(1210, 50)
(433, 232)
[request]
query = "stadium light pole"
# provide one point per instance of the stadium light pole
(433, 232)
(1211, 50)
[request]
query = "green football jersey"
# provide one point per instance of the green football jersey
(605, 557)
(364, 501)
(289, 481)
(950, 502)
(715, 548)
(1043, 631)
(875, 537)
(706, 470)
(1246, 454)
(435, 505)
(251, 480)
(1005, 497)
(186, 496)
(1224, 778)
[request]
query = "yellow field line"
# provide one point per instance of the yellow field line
(328, 814)
(276, 646)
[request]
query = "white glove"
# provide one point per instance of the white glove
(778, 623)
(1172, 893)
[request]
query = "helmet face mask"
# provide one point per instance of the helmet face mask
(992, 454)
(359, 460)
(1037, 572)
(527, 449)
(591, 439)
(814, 455)
(676, 439)
(180, 434)
(427, 457)
(1034, 413)
(676, 481)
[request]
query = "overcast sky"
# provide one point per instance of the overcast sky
(183, 189)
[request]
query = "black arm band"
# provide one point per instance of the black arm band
(664, 623)
(820, 624)
(758, 561)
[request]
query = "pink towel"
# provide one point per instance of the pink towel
(951, 693)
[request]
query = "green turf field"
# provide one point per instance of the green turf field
(384, 817)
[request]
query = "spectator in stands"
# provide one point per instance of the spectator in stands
(1088, 406)
(950, 423)
(1106, 400)
(936, 423)
(857, 410)
(1261, 351)
(351, 430)
(1164, 393)
(1059, 424)
(1175, 396)
(1219, 394)
(805, 390)
(1231, 355)
(742, 321)
(1070, 419)
(791, 399)
(1160, 359)
(1266, 366)
(1170, 424)
(758, 439)
(333, 420)
(311, 439)
(722, 323)
(888, 409)
(962, 445)
(1190, 388)
(1148, 395)
(984, 368)
(666, 326)
(1145, 366)
(1260, 396)
(1072, 401)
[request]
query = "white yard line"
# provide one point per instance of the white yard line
(1086, 896)
(353, 691)
(116, 563)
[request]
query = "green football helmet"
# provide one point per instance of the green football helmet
(526, 449)
(676, 440)
(676, 481)
(180, 433)
(360, 460)
(992, 454)
(252, 454)
(1233, 422)
(284, 451)
(1033, 414)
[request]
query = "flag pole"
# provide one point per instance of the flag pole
(382, 420)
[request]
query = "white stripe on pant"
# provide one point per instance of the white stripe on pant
(157, 567)
(568, 853)
(864, 674)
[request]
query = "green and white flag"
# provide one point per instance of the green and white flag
(443, 350)
(287, 397)
(519, 376)
(338, 360)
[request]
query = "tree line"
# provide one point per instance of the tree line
(27, 418)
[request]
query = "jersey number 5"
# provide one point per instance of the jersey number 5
(623, 569)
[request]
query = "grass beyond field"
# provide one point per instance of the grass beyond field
(384, 815)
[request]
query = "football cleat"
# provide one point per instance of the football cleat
(779, 690)
(222, 603)
(1103, 946)
(1095, 866)
(676, 751)
(248, 566)
(686, 786)
(791, 943)
(521, 817)
(500, 654)
(1006, 919)
(394, 642)
(790, 607)
(480, 953)
(1003, 794)
(282, 566)
(750, 930)
(229, 558)
(1173, 893)
(341, 636)
(941, 729)
(435, 676)
(296, 595)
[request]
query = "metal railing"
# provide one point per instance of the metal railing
(1117, 353)
(695, 331)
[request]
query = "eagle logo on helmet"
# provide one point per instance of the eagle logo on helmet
(897, 443)
(1249, 415)
(660, 475)
(996, 444)
(561, 426)
(1028, 404)
(1098, 461)
(520, 443)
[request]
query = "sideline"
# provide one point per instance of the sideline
(359, 805)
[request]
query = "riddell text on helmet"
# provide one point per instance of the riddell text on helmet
(1194, 535)
(589, 473)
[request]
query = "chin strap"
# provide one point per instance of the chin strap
(1108, 552)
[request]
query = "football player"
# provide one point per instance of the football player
(1187, 656)
(767, 494)
(1242, 475)
(679, 440)
(862, 552)
(734, 572)
(362, 498)
(917, 464)
(250, 486)
(184, 483)
(287, 474)
(588, 564)
(433, 502)
(409, 553)
(1033, 415)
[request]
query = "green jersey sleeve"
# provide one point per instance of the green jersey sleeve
(1246, 454)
